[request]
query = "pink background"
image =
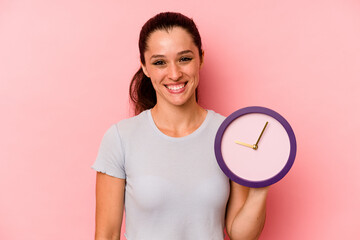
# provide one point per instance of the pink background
(65, 68)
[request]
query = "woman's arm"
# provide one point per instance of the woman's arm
(246, 210)
(109, 206)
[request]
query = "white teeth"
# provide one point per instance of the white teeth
(177, 87)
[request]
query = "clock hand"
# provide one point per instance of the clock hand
(256, 144)
(245, 144)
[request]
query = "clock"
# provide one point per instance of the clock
(255, 146)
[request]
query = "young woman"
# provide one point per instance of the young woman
(160, 165)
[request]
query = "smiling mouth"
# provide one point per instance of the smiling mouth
(176, 86)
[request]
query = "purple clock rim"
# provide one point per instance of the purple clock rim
(233, 176)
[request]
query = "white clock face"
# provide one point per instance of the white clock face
(268, 159)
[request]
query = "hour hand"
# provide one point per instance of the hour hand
(245, 144)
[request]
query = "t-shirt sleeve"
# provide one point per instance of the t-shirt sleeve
(110, 158)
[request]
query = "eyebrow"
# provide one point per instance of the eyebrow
(179, 53)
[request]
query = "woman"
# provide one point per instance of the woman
(160, 165)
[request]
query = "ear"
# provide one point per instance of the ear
(144, 69)
(202, 59)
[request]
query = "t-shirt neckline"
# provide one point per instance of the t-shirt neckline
(175, 139)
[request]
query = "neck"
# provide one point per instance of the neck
(178, 121)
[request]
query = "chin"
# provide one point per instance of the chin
(179, 101)
(183, 102)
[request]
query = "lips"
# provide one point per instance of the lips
(176, 88)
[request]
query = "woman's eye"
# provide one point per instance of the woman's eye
(160, 62)
(185, 59)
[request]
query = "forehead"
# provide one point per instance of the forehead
(174, 40)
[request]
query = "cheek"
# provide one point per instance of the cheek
(194, 73)
(155, 83)
(155, 74)
(193, 69)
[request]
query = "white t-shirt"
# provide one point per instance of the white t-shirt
(175, 189)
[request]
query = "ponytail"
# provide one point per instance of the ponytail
(142, 92)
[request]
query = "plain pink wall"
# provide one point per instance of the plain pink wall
(65, 68)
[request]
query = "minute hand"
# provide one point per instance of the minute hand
(256, 144)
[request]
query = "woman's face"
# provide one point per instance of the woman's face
(172, 62)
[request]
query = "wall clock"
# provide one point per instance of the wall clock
(255, 146)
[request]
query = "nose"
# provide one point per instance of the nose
(174, 72)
